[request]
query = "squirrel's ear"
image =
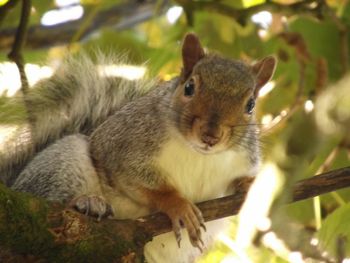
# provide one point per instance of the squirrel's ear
(192, 52)
(263, 71)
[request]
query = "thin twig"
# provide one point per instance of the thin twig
(321, 76)
(15, 55)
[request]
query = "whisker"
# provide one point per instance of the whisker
(251, 142)
(252, 132)
(251, 138)
(247, 124)
(241, 140)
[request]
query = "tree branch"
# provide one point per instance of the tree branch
(322, 184)
(28, 226)
(240, 14)
(119, 17)
(157, 224)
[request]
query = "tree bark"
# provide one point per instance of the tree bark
(34, 230)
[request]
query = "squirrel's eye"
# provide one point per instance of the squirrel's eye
(250, 106)
(189, 88)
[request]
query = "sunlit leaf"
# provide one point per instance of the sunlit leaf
(334, 229)
(2, 2)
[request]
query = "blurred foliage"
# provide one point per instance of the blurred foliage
(313, 52)
(335, 231)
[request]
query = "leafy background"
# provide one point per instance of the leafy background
(305, 118)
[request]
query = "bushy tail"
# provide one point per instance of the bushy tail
(76, 99)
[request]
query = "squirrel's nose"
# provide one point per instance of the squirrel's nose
(209, 139)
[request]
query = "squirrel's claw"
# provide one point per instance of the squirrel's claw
(195, 236)
(198, 243)
(92, 205)
(177, 231)
(191, 218)
(200, 217)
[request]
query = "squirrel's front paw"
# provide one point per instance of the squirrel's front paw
(188, 215)
(92, 205)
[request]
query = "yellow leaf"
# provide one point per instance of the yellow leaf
(249, 3)
(3, 2)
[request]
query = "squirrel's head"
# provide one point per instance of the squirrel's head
(215, 97)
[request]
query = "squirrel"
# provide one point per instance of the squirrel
(162, 148)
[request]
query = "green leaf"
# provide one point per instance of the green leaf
(334, 227)
(302, 212)
(322, 40)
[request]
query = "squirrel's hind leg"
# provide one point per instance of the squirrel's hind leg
(61, 172)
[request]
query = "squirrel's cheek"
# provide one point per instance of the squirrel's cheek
(193, 128)
(190, 128)
(185, 99)
(247, 117)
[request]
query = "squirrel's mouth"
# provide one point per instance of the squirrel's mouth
(206, 149)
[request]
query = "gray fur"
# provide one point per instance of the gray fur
(76, 99)
(135, 134)
(60, 172)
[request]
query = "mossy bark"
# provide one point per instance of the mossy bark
(33, 230)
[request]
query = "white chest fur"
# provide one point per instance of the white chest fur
(198, 176)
